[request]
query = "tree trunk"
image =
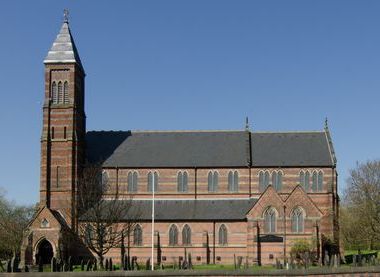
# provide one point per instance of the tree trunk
(100, 259)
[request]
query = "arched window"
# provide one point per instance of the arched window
(54, 93)
(307, 180)
(297, 220)
(88, 234)
(132, 181)
(266, 179)
(137, 235)
(314, 182)
(173, 235)
(270, 220)
(233, 181)
(152, 179)
(104, 178)
(302, 179)
(222, 235)
(186, 235)
(277, 180)
(66, 92)
(45, 223)
(213, 181)
(182, 181)
(320, 181)
(60, 92)
(261, 181)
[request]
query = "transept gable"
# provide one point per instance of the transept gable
(269, 198)
(299, 198)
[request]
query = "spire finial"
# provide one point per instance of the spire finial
(326, 123)
(246, 123)
(65, 16)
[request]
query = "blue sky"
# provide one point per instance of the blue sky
(196, 65)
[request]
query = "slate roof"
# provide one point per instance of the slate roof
(208, 149)
(168, 149)
(63, 49)
(174, 210)
(290, 149)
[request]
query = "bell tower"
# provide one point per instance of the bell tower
(64, 126)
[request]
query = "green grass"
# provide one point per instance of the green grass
(351, 252)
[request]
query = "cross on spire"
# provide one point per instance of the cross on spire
(66, 16)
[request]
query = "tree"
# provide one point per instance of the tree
(106, 218)
(301, 250)
(13, 220)
(362, 205)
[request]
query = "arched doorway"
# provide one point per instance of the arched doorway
(45, 252)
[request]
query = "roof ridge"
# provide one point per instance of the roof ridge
(287, 132)
(186, 131)
(170, 131)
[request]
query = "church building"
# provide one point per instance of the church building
(218, 194)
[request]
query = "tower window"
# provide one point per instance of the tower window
(60, 93)
(64, 132)
(54, 93)
(52, 132)
(66, 92)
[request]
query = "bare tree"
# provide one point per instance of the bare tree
(105, 218)
(362, 204)
(13, 220)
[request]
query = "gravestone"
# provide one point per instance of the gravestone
(40, 265)
(53, 265)
(360, 259)
(14, 264)
(70, 264)
(9, 266)
(292, 265)
(147, 264)
(326, 259)
(88, 266)
(277, 264)
(107, 265)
